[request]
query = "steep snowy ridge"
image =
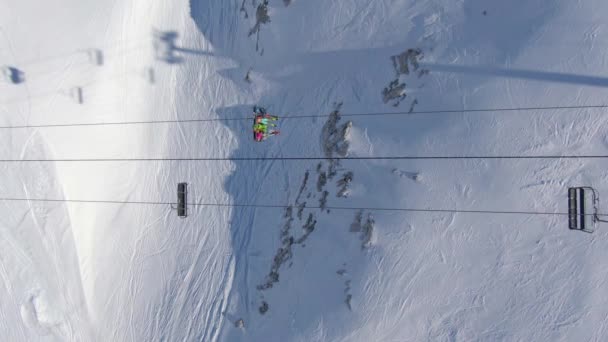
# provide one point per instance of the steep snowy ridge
(309, 272)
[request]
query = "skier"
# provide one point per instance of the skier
(264, 120)
(261, 136)
(261, 122)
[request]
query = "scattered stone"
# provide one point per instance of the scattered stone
(342, 147)
(321, 181)
(273, 276)
(366, 229)
(343, 183)
(282, 256)
(287, 226)
(334, 139)
(407, 61)
(332, 173)
(289, 210)
(413, 105)
(247, 76)
(341, 271)
(244, 10)
(308, 228)
(302, 186)
(240, 323)
(394, 91)
(261, 17)
(356, 225)
(347, 301)
(263, 308)
(367, 232)
(301, 210)
(323, 200)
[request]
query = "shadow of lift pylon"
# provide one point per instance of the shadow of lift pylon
(583, 203)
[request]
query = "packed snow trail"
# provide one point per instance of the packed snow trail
(145, 274)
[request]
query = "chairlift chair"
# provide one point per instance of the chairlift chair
(583, 203)
(182, 200)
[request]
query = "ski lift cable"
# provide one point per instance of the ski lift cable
(412, 157)
(291, 117)
(281, 206)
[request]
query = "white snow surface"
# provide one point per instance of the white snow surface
(133, 272)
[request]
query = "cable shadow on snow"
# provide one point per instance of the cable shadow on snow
(534, 75)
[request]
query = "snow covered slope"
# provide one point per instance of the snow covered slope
(111, 272)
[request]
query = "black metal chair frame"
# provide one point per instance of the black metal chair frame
(579, 217)
(182, 200)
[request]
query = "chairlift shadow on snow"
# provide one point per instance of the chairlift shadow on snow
(535, 75)
(95, 56)
(150, 75)
(147, 73)
(75, 93)
(167, 50)
(13, 75)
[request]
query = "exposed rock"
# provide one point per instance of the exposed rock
(321, 181)
(323, 200)
(343, 183)
(394, 91)
(356, 225)
(367, 232)
(261, 17)
(413, 105)
(248, 76)
(301, 207)
(263, 307)
(308, 228)
(407, 61)
(347, 301)
(302, 186)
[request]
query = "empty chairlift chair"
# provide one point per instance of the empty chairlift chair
(583, 202)
(182, 200)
